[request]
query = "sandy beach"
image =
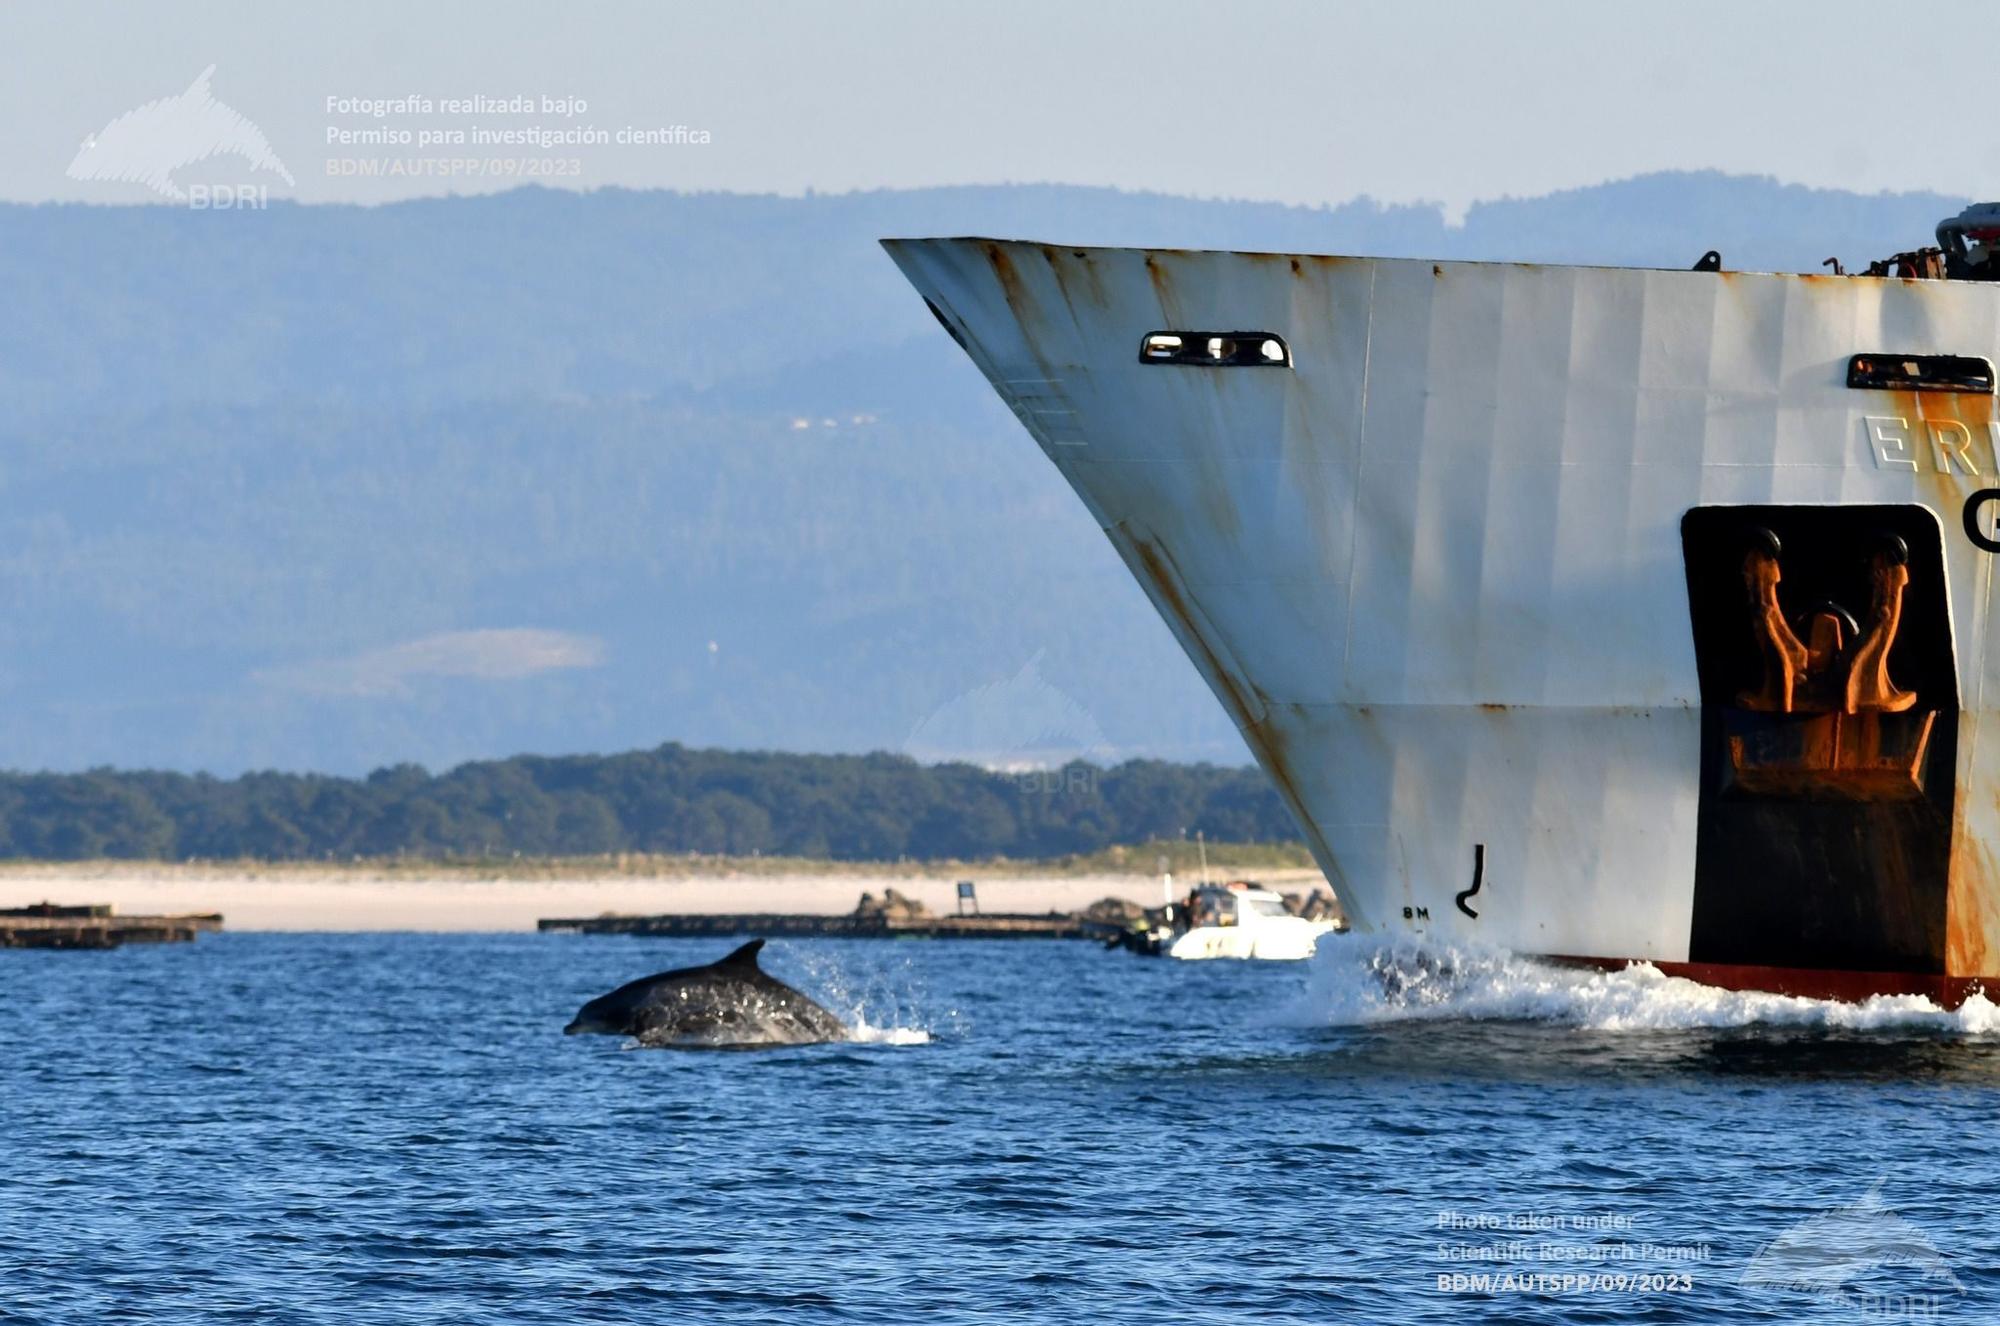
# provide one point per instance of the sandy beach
(358, 898)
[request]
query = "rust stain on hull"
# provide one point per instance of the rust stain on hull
(1094, 292)
(1010, 279)
(1154, 565)
(1267, 741)
(1163, 290)
(1971, 898)
(1017, 297)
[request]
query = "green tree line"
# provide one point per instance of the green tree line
(671, 800)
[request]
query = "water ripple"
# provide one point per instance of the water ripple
(358, 1129)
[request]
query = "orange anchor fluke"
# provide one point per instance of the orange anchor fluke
(1868, 685)
(1785, 659)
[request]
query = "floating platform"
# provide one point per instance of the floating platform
(95, 926)
(1047, 925)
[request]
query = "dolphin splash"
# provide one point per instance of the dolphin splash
(731, 1003)
(146, 145)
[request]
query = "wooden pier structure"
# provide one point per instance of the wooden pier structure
(96, 926)
(1048, 925)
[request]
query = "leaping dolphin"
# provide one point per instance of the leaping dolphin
(148, 144)
(727, 1003)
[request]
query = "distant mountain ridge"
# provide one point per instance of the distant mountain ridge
(337, 487)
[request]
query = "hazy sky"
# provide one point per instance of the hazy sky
(1240, 98)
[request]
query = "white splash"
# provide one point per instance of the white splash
(1358, 980)
(877, 1000)
(865, 1034)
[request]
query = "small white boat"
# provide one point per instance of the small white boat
(1243, 921)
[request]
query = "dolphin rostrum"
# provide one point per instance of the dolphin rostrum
(727, 1003)
(148, 144)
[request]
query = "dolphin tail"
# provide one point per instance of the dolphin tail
(743, 957)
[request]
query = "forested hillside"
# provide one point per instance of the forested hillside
(858, 808)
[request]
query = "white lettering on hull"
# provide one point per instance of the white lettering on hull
(1944, 445)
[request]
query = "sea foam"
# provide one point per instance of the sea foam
(1358, 980)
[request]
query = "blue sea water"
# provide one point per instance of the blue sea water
(366, 1128)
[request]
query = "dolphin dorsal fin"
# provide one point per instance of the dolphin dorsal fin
(743, 957)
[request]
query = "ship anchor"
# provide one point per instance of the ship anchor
(1841, 666)
(1826, 718)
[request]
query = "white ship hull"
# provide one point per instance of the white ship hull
(1441, 569)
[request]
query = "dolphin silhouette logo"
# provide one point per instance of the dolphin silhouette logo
(148, 144)
(1823, 1254)
(1024, 721)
